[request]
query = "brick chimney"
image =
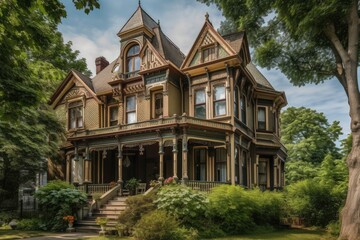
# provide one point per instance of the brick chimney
(100, 63)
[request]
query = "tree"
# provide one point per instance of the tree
(310, 42)
(32, 62)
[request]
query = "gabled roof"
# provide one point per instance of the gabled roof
(259, 78)
(167, 48)
(206, 34)
(84, 80)
(138, 19)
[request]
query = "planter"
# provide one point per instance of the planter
(70, 225)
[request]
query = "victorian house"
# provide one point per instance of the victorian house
(153, 113)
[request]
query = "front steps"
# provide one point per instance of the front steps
(110, 210)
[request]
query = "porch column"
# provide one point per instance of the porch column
(232, 159)
(275, 172)
(120, 165)
(184, 156)
(76, 166)
(68, 167)
(87, 165)
(256, 170)
(161, 161)
(228, 158)
(175, 156)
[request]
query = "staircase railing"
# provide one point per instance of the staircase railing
(110, 194)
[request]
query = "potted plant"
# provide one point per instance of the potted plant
(102, 221)
(120, 229)
(70, 220)
(131, 185)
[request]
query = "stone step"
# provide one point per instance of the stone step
(110, 211)
(116, 202)
(113, 207)
(109, 216)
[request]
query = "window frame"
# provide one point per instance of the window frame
(109, 115)
(222, 163)
(132, 58)
(153, 108)
(127, 112)
(215, 101)
(236, 102)
(76, 104)
(264, 128)
(200, 104)
(197, 169)
(243, 109)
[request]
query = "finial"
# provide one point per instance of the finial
(159, 22)
(139, 3)
(207, 16)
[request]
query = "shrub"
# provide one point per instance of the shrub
(333, 228)
(56, 200)
(182, 202)
(157, 225)
(32, 224)
(231, 208)
(7, 216)
(313, 201)
(268, 207)
(137, 206)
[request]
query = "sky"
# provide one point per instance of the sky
(94, 35)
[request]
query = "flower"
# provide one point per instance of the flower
(169, 180)
(69, 218)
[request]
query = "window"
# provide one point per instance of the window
(200, 104)
(236, 102)
(237, 168)
(220, 164)
(75, 115)
(219, 100)
(131, 109)
(113, 112)
(243, 108)
(263, 173)
(208, 54)
(262, 118)
(133, 59)
(200, 155)
(158, 104)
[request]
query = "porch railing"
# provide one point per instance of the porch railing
(94, 188)
(202, 185)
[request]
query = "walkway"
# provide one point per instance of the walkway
(75, 235)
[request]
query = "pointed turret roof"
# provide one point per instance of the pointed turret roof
(138, 19)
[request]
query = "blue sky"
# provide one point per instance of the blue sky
(95, 35)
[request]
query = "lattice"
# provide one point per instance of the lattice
(208, 39)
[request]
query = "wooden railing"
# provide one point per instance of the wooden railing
(94, 188)
(202, 185)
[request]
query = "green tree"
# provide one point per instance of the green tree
(310, 42)
(32, 62)
(307, 134)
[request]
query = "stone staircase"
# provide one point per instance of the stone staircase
(110, 210)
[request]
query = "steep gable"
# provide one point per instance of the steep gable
(207, 37)
(150, 57)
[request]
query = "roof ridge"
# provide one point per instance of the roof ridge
(172, 43)
(148, 15)
(232, 33)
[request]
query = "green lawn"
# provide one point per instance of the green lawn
(18, 234)
(289, 234)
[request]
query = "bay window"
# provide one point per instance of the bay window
(261, 118)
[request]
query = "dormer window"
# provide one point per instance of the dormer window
(75, 111)
(133, 59)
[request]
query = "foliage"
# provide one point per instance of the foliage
(132, 184)
(236, 210)
(33, 61)
(102, 221)
(300, 170)
(7, 216)
(58, 201)
(33, 224)
(307, 134)
(137, 206)
(183, 203)
(313, 201)
(158, 225)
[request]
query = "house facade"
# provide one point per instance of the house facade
(154, 113)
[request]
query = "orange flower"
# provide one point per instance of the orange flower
(69, 219)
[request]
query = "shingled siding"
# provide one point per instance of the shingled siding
(91, 114)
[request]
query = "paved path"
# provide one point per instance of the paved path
(73, 235)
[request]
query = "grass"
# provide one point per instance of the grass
(18, 234)
(288, 234)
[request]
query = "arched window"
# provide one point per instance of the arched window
(133, 59)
